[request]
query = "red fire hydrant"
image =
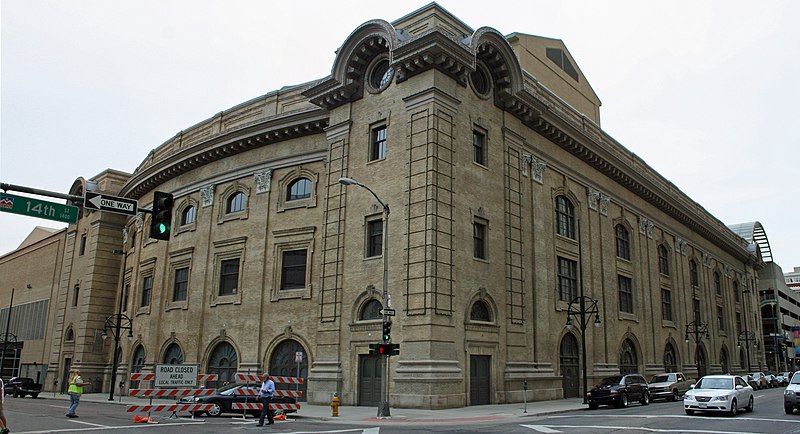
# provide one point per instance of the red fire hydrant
(335, 405)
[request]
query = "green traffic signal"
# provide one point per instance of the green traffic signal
(162, 215)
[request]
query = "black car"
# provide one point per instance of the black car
(618, 391)
(18, 387)
(227, 395)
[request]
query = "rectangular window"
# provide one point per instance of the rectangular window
(567, 279)
(738, 322)
(479, 240)
(125, 293)
(666, 304)
(75, 292)
(721, 318)
(82, 250)
(228, 276)
(374, 238)
(293, 269)
(479, 147)
(147, 290)
(181, 287)
(696, 310)
(377, 149)
(625, 294)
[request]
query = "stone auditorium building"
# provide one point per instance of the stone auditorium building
(508, 203)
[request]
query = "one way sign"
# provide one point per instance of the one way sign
(110, 203)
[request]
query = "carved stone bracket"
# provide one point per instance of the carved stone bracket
(139, 219)
(537, 167)
(646, 227)
(527, 160)
(727, 270)
(707, 259)
(604, 201)
(207, 195)
(263, 180)
(593, 196)
(124, 236)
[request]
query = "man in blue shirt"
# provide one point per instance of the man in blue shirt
(266, 392)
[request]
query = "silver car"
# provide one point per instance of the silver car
(791, 395)
(719, 393)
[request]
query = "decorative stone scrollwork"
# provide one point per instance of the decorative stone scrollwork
(593, 196)
(124, 236)
(537, 169)
(680, 246)
(139, 221)
(708, 260)
(646, 227)
(263, 180)
(207, 195)
(604, 201)
(527, 160)
(727, 270)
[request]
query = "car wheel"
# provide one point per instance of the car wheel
(16, 394)
(749, 408)
(788, 409)
(593, 406)
(34, 395)
(622, 401)
(734, 405)
(215, 410)
(645, 399)
(675, 395)
(689, 412)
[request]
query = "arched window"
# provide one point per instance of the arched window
(299, 189)
(693, 273)
(188, 215)
(69, 335)
(223, 361)
(371, 310)
(173, 355)
(235, 203)
(480, 312)
(663, 260)
(736, 291)
(565, 217)
(670, 361)
(628, 360)
(137, 363)
(282, 363)
(742, 359)
(623, 242)
(723, 361)
(717, 283)
(133, 237)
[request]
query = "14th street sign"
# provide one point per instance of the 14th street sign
(38, 208)
(110, 203)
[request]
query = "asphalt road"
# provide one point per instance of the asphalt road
(47, 416)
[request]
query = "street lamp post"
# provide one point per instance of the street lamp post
(581, 307)
(747, 337)
(699, 329)
(5, 341)
(383, 406)
(118, 324)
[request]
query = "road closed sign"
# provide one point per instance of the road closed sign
(176, 376)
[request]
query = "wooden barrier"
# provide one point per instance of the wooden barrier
(169, 407)
(168, 393)
(254, 378)
(258, 406)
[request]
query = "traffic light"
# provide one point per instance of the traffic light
(387, 331)
(374, 349)
(161, 223)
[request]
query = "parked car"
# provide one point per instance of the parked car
(772, 380)
(227, 395)
(791, 395)
(719, 393)
(18, 387)
(618, 391)
(761, 379)
(751, 381)
(670, 386)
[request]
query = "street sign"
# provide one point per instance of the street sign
(176, 376)
(387, 312)
(104, 202)
(38, 208)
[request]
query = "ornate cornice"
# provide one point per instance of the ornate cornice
(224, 145)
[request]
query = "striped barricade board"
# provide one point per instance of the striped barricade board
(169, 407)
(147, 376)
(258, 406)
(249, 391)
(168, 393)
(255, 378)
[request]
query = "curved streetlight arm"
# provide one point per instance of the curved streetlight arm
(351, 181)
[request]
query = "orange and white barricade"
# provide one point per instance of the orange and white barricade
(242, 378)
(169, 393)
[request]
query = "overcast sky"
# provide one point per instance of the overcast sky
(704, 91)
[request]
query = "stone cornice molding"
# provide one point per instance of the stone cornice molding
(224, 145)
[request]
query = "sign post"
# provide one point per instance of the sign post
(38, 208)
(298, 357)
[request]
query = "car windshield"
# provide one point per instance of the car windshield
(662, 378)
(611, 381)
(231, 388)
(795, 379)
(715, 383)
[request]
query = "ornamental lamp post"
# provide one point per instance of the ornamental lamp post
(747, 337)
(383, 406)
(117, 324)
(699, 329)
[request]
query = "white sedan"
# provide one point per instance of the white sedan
(722, 393)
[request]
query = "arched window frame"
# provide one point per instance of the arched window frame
(623, 241)
(228, 195)
(181, 211)
(694, 276)
(289, 179)
(663, 260)
(564, 217)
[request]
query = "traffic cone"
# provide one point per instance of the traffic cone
(138, 419)
(280, 417)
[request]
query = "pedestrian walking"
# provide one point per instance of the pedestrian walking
(3, 421)
(266, 392)
(75, 391)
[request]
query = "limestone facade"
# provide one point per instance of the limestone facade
(507, 200)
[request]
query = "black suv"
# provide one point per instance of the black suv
(618, 391)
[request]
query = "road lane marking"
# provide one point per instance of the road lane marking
(637, 428)
(144, 425)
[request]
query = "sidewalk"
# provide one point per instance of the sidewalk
(368, 415)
